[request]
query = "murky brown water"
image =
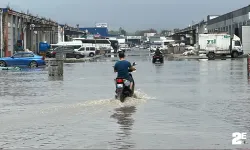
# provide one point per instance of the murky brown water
(181, 104)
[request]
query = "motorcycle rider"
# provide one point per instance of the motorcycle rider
(158, 52)
(122, 68)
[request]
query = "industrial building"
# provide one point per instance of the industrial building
(189, 35)
(21, 30)
(231, 22)
(26, 30)
(133, 39)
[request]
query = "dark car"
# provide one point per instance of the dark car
(76, 55)
(70, 53)
(50, 54)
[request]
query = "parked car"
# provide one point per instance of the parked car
(87, 51)
(51, 54)
(23, 59)
(76, 55)
(70, 53)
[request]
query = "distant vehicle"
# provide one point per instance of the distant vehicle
(164, 44)
(23, 59)
(87, 51)
(124, 46)
(188, 47)
(158, 58)
(70, 53)
(98, 43)
(220, 45)
(154, 46)
(52, 54)
(146, 46)
(114, 45)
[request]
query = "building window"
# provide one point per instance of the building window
(248, 22)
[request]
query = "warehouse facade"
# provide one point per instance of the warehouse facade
(231, 22)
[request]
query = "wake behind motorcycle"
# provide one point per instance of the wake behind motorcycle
(123, 87)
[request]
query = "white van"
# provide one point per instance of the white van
(87, 51)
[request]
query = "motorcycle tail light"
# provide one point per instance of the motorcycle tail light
(119, 80)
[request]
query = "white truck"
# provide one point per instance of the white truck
(220, 44)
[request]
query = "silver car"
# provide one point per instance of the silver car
(87, 51)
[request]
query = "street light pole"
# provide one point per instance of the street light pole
(1, 33)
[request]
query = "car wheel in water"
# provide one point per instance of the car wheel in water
(77, 56)
(33, 64)
(91, 54)
(2, 64)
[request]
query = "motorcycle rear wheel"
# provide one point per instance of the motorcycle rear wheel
(122, 98)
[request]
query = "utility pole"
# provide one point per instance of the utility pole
(1, 33)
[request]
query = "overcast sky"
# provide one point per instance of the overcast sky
(131, 15)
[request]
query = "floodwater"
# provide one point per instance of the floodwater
(181, 104)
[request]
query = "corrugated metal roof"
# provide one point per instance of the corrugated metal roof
(96, 30)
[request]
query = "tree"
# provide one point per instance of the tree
(152, 31)
(112, 32)
(141, 32)
(166, 32)
(122, 31)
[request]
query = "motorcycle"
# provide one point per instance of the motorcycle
(123, 87)
(158, 58)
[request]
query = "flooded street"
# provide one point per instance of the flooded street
(180, 104)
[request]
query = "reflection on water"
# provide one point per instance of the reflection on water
(159, 68)
(125, 120)
(55, 78)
